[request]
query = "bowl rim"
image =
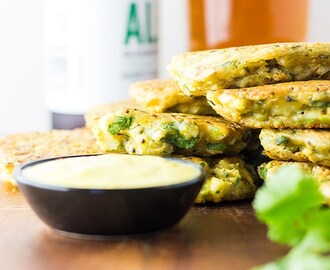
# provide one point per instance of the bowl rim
(22, 179)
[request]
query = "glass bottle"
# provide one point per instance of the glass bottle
(93, 50)
(226, 23)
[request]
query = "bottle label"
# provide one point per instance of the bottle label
(95, 48)
(140, 43)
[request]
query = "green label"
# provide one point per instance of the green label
(135, 23)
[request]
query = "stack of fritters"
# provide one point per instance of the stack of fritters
(217, 102)
(281, 88)
(170, 123)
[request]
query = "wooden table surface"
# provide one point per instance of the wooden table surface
(222, 236)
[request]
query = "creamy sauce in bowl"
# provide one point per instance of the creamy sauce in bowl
(111, 171)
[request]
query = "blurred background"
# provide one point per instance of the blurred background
(22, 74)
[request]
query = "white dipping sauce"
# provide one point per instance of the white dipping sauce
(111, 171)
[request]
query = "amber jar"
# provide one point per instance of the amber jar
(226, 23)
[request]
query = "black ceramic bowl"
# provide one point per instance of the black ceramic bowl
(109, 211)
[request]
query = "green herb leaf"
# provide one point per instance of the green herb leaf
(120, 123)
(301, 261)
(169, 126)
(282, 140)
(230, 64)
(262, 171)
(203, 164)
(283, 203)
(216, 146)
(182, 142)
(317, 237)
(290, 203)
(320, 104)
(175, 138)
(295, 47)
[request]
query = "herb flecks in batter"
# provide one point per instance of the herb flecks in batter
(281, 140)
(120, 123)
(175, 138)
(216, 146)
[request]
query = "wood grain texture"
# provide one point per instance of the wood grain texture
(222, 236)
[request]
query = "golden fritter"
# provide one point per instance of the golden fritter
(16, 149)
(308, 145)
(94, 114)
(268, 169)
(227, 179)
(238, 67)
(304, 104)
(165, 96)
(134, 131)
(319, 173)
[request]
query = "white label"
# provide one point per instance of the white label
(95, 48)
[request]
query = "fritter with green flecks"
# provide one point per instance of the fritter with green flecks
(134, 131)
(303, 104)
(307, 145)
(227, 179)
(199, 72)
(319, 173)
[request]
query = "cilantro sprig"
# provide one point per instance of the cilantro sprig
(291, 205)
